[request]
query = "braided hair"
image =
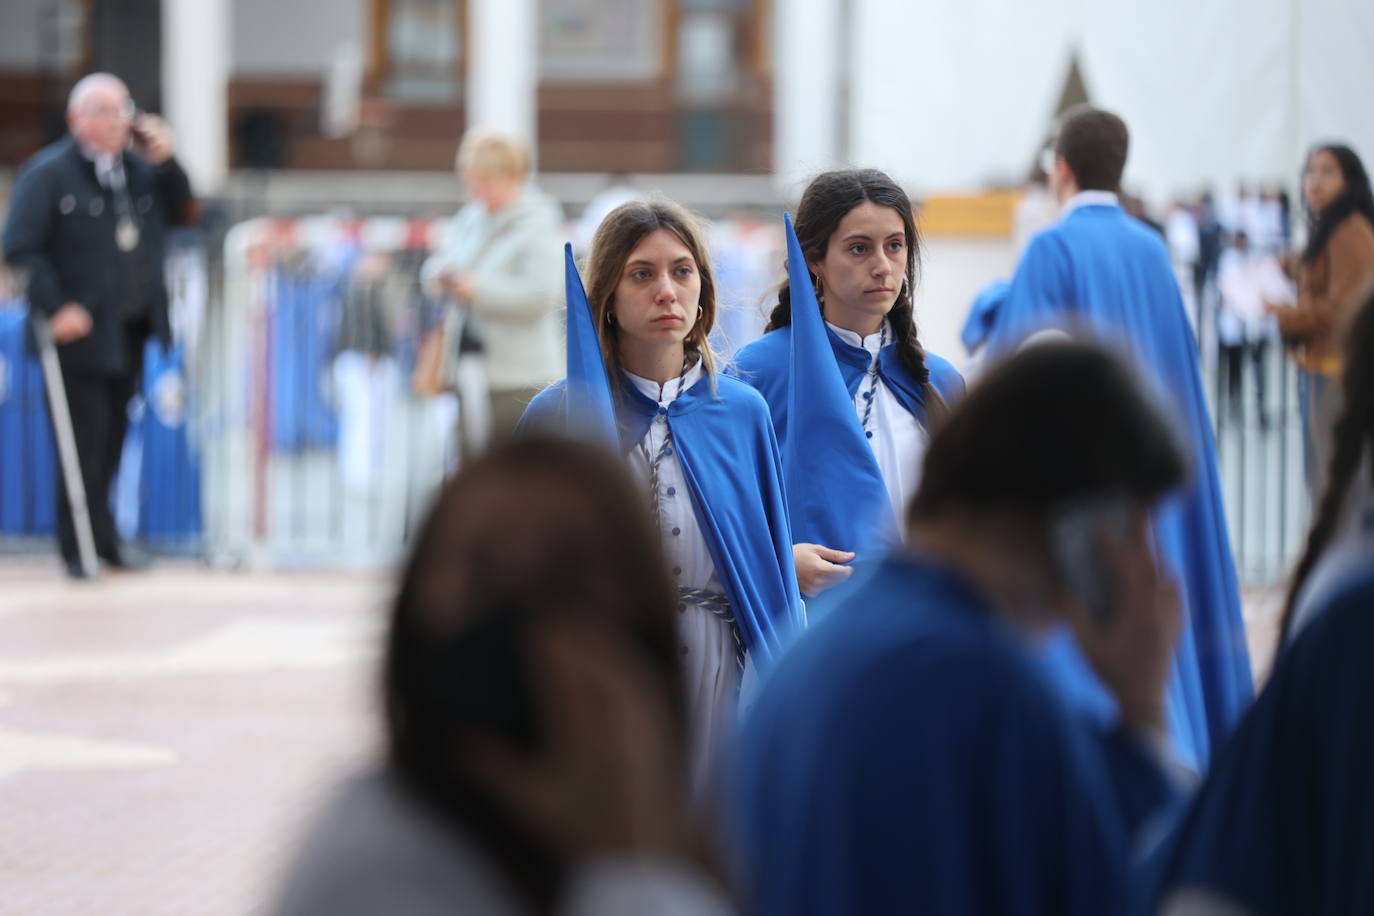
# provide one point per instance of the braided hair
(1354, 437)
(827, 200)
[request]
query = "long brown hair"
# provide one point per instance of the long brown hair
(828, 198)
(534, 531)
(615, 239)
(1354, 438)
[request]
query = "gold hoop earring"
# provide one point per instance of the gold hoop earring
(610, 319)
(700, 312)
(820, 294)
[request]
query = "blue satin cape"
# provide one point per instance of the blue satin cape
(1101, 270)
(908, 757)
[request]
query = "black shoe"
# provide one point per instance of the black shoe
(129, 559)
(76, 571)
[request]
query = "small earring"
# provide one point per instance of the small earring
(699, 312)
(610, 319)
(820, 294)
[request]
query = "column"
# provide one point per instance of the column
(195, 76)
(806, 89)
(503, 69)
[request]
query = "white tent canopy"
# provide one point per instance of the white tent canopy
(951, 96)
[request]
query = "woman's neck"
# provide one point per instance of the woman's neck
(860, 323)
(657, 363)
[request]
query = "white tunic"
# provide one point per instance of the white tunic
(706, 642)
(898, 440)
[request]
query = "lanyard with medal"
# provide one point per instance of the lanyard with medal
(126, 223)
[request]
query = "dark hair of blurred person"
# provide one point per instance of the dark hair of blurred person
(533, 702)
(1102, 438)
(542, 531)
(1352, 455)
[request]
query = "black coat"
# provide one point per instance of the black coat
(61, 232)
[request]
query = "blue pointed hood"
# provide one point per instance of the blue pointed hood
(591, 412)
(826, 452)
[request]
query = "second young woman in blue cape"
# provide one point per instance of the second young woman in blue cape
(851, 391)
(702, 445)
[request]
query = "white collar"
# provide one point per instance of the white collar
(109, 167)
(665, 393)
(1089, 199)
(872, 343)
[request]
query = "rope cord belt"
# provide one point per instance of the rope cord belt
(718, 605)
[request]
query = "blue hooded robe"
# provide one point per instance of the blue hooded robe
(907, 756)
(1284, 824)
(1102, 270)
(729, 456)
(809, 377)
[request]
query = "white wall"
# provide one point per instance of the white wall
(293, 37)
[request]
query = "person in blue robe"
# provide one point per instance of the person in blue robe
(934, 769)
(852, 392)
(701, 444)
(1101, 271)
(1284, 823)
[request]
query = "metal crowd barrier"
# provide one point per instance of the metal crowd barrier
(1260, 459)
(317, 449)
(283, 429)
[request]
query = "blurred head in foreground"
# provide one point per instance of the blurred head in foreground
(540, 542)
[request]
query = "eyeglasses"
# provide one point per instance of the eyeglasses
(124, 112)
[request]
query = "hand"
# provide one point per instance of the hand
(155, 140)
(462, 287)
(610, 782)
(818, 567)
(70, 322)
(1133, 650)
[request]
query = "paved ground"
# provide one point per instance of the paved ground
(162, 736)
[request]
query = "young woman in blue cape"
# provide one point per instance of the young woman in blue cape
(1285, 821)
(852, 440)
(702, 445)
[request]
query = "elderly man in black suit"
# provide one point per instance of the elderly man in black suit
(87, 225)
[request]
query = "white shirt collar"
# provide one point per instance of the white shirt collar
(872, 343)
(1089, 199)
(109, 167)
(665, 393)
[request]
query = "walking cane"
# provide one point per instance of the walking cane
(66, 445)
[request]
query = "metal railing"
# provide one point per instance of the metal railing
(284, 429)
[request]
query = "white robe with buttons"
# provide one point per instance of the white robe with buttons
(706, 643)
(898, 439)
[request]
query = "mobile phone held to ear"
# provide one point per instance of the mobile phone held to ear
(1075, 543)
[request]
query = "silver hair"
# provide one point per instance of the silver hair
(92, 81)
